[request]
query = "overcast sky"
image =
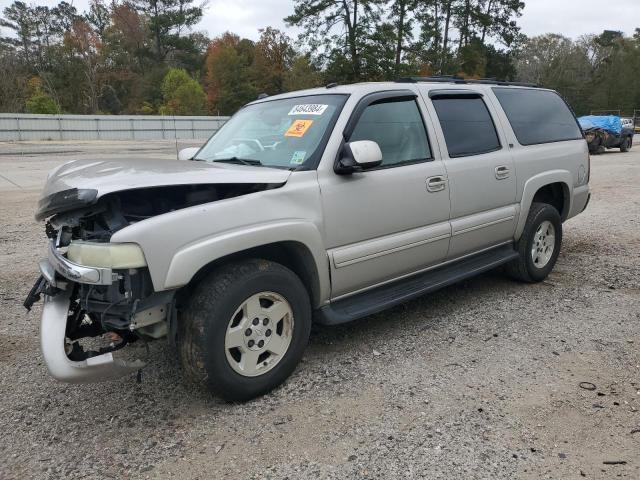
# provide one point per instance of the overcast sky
(569, 17)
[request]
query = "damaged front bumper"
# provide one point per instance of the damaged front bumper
(53, 340)
(84, 301)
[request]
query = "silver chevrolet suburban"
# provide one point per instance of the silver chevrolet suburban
(323, 205)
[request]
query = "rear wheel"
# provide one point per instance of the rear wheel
(245, 328)
(626, 144)
(539, 244)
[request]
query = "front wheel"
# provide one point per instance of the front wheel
(245, 328)
(539, 244)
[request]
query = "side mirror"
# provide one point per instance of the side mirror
(188, 153)
(358, 156)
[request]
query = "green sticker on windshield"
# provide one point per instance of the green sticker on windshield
(298, 157)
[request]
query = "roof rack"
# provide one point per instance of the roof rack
(460, 80)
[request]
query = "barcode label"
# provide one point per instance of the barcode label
(308, 109)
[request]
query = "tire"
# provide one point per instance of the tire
(535, 261)
(217, 315)
(626, 144)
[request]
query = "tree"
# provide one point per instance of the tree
(64, 16)
(302, 74)
(168, 19)
(115, 55)
(273, 56)
(337, 28)
(39, 101)
(86, 47)
(12, 80)
(596, 72)
(19, 18)
(98, 17)
(228, 78)
(496, 18)
(126, 41)
(403, 24)
(182, 94)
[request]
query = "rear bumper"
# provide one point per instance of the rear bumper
(52, 343)
(580, 199)
(587, 203)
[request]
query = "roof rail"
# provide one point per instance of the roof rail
(460, 80)
(433, 78)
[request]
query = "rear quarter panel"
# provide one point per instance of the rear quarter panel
(538, 165)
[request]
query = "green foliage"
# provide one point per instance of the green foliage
(42, 103)
(302, 74)
(142, 56)
(339, 32)
(229, 84)
(110, 58)
(383, 39)
(182, 94)
(39, 101)
(166, 21)
(596, 72)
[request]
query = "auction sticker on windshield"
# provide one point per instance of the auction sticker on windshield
(298, 128)
(308, 109)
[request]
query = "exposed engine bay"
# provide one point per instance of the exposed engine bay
(117, 210)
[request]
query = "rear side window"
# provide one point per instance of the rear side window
(538, 116)
(397, 127)
(467, 126)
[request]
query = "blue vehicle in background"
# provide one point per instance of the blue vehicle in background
(606, 131)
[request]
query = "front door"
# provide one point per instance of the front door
(481, 172)
(392, 220)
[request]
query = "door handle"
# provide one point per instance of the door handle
(436, 184)
(502, 172)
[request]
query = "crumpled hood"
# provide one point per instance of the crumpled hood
(112, 176)
(85, 181)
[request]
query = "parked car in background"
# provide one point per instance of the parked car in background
(322, 205)
(603, 132)
(626, 122)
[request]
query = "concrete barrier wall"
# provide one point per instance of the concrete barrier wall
(18, 127)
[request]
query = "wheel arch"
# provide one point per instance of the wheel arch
(298, 246)
(549, 187)
(292, 254)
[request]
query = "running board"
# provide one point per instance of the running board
(386, 296)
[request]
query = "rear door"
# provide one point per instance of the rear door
(392, 220)
(480, 167)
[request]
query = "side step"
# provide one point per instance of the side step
(386, 296)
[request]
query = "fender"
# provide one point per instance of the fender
(178, 244)
(187, 261)
(533, 184)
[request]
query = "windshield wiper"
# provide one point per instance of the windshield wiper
(241, 161)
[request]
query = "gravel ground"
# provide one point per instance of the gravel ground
(480, 380)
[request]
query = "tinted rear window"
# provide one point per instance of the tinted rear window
(538, 116)
(467, 126)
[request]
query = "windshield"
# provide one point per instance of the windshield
(283, 133)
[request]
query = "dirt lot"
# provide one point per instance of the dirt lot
(480, 380)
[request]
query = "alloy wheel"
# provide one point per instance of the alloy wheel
(259, 334)
(544, 241)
